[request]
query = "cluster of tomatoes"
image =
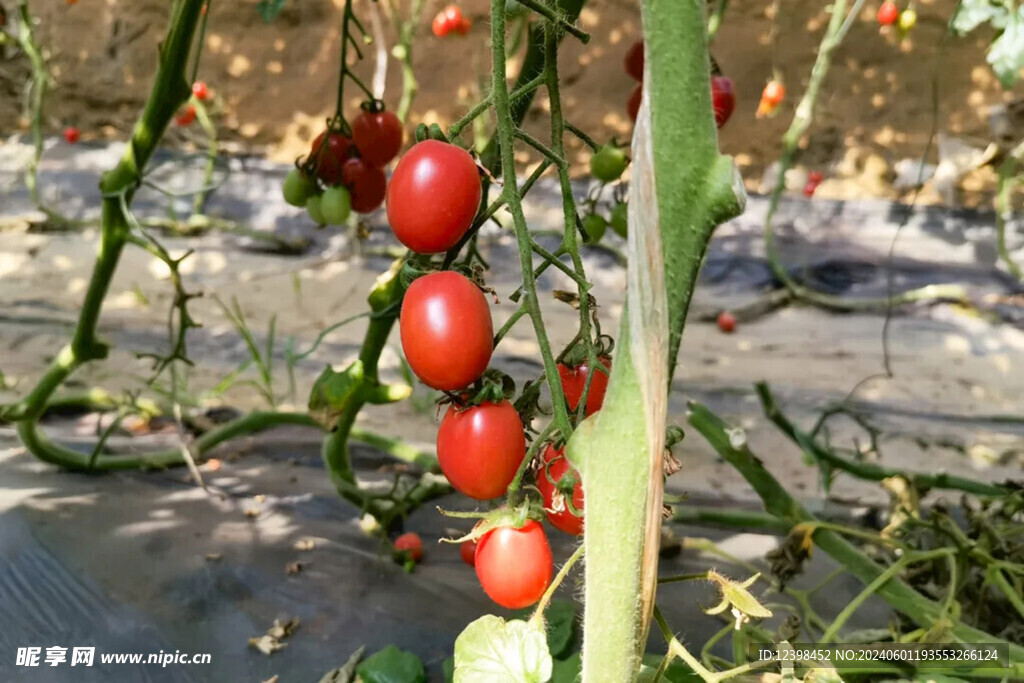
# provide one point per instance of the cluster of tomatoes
(723, 91)
(432, 201)
(889, 13)
(450, 20)
(344, 171)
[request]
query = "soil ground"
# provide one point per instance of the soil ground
(275, 83)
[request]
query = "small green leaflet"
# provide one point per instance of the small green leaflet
(492, 650)
(560, 617)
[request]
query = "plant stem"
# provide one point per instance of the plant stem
(506, 139)
(865, 470)
(1004, 210)
(538, 612)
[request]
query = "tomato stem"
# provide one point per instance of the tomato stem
(538, 612)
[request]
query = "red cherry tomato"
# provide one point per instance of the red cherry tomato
(433, 196)
(810, 188)
(556, 468)
(888, 13)
(329, 160)
(450, 19)
(635, 60)
(186, 115)
(467, 550)
(574, 380)
(726, 322)
(366, 183)
(200, 90)
(773, 94)
(71, 134)
(410, 543)
(480, 448)
(378, 136)
(514, 565)
(446, 330)
(815, 177)
(723, 99)
(633, 104)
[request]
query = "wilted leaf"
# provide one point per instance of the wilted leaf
(493, 650)
(268, 645)
(345, 673)
(332, 392)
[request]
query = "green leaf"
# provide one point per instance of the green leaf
(491, 650)
(392, 665)
(269, 9)
(567, 670)
(332, 391)
(1006, 54)
(448, 669)
(974, 13)
(560, 618)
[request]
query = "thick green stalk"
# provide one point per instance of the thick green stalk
(779, 503)
(676, 200)
(1004, 207)
(169, 90)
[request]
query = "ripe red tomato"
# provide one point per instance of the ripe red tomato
(71, 134)
(467, 549)
(810, 188)
(378, 136)
(635, 60)
(815, 177)
(514, 565)
(367, 183)
(574, 380)
(888, 13)
(412, 544)
(633, 104)
(723, 99)
(726, 322)
(446, 330)
(329, 160)
(186, 116)
(433, 196)
(555, 467)
(200, 90)
(480, 448)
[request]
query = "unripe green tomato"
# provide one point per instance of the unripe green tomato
(314, 211)
(595, 225)
(908, 19)
(336, 205)
(297, 187)
(620, 219)
(608, 163)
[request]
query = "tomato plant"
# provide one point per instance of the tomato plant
(446, 330)
(561, 490)
(433, 196)
(480, 448)
(514, 565)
